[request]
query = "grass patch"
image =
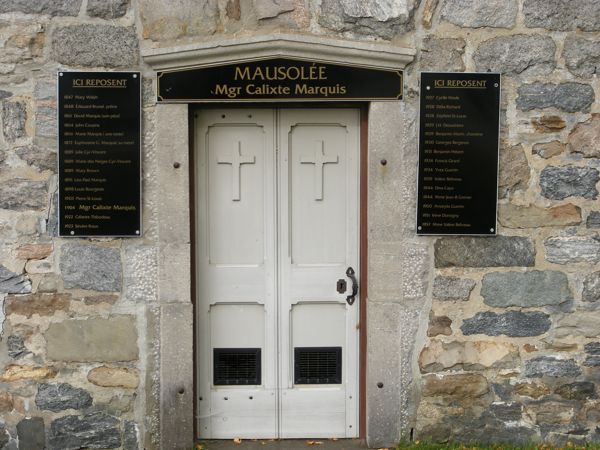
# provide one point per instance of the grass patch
(417, 445)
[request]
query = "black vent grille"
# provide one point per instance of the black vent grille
(317, 365)
(236, 366)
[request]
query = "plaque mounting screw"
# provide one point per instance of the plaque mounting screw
(72, 233)
(428, 88)
(60, 74)
(176, 165)
(491, 230)
(137, 231)
(383, 162)
(495, 84)
(135, 75)
(419, 227)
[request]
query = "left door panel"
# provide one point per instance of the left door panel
(236, 254)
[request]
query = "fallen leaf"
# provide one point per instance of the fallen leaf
(237, 441)
(199, 447)
(314, 443)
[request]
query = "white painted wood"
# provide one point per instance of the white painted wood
(276, 230)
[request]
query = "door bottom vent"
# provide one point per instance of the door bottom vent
(317, 365)
(236, 366)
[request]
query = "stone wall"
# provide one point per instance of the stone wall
(492, 339)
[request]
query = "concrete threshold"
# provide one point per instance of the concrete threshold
(282, 444)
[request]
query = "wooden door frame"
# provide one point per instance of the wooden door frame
(363, 108)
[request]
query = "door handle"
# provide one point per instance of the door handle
(352, 297)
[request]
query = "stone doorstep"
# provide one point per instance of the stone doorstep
(282, 444)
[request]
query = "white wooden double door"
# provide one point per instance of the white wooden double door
(277, 227)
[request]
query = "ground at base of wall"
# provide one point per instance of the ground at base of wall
(281, 444)
(458, 446)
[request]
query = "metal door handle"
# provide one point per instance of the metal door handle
(352, 297)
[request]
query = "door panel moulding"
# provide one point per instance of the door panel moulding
(314, 48)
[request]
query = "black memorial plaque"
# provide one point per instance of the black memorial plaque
(458, 153)
(99, 153)
(279, 79)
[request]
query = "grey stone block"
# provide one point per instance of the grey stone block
(5, 94)
(517, 54)
(591, 288)
(582, 390)
(558, 183)
(476, 14)
(32, 435)
(107, 9)
(514, 172)
(569, 97)
(94, 45)
(58, 397)
(267, 9)
(571, 249)
(49, 7)
(91, 267)
(20, 194)
(499, 251)
(511, 323)
(14, 118)
(592, 348)
(383, 19)
(582, 56)
(16, 346)
(98, 340)
(439, 55)
(525, 289)
(547, 366)
(13, 283)
(452, 288)
(507, 412)
(130, 437)
(97, 430)
(38, 157)
(562, 15)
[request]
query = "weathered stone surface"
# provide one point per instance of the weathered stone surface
(94, 45)
(373, 18)
(511, 323)
(570, 97)
(514, 170)
(476, 14)
(517, 216)
(34, 251)
(525, 289)
(14, 118)
(428, 11)
(548, 149)
(499, 251)
(527, 54)
(13, 283)
(4, 436)
(578, 323)
(93, 340)
(548, 124)
(40, 304)
(39, 266)
(452, 288)
(96, 430)
(506, 411)
(547, 366)
(161, 21)
(5, 94)
(91, 267)
(592, 349)
(585, 137)
(114, 377)
(32, 435)
(558, 183)
(440, 54)
(16, 346)
(562, 15)
(266, 9)
(38, 157)
(438, 356)
(571, 249)
(591, 288)
(533, 390)
(439, 325)
(582, 56)
(551, 412)
(49, 7)
(462, 386)
(58, 397)
(582, 390)
(15, 372)
(107, 9)
(593, 220)
(130, 436)
(22, 195)
(6, 402)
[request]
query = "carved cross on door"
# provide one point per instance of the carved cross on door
(319, 160)
(236, 160)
